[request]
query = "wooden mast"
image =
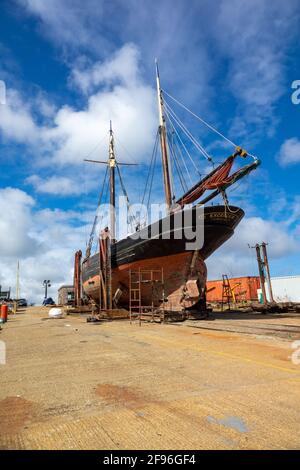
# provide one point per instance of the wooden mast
(112, 166)
(163, 143)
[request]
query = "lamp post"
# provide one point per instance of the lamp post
(46, 284)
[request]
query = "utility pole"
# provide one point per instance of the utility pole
(264, 270)
(261, 272)
(46, 284)
(266, 264)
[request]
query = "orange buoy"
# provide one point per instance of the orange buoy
(4, 310)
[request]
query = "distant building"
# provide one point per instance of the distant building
(4, 294)
(285, 288)
(66, 295)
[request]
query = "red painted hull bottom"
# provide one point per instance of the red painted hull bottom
(184, 281)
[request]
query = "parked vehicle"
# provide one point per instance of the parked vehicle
(49, 301)
(22, 303)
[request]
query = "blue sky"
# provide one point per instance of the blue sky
(71, 67)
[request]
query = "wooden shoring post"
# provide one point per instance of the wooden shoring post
(140, 297)
(100, 277)
(130, 296)
(104, 272)
(105, 269)
(108, 272)
(77, 282)
(152, 295)
(163, 289)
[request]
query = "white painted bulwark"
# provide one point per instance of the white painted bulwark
(285, 289)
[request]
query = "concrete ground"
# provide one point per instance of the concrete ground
(68, 384)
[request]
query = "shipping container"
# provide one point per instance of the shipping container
(285, 289)
(244, 288)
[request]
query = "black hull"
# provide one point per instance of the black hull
(166, 237)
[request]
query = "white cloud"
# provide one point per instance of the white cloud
(289, 153)
(132, 111)
(43, 240)
(118, 94)
(65, 22)
(256, 230)
(255, 36)
(16, 120)
(58, 185)
(15, 224)
(122, 68)
(95, 28)
(235, 258)
(249, 37)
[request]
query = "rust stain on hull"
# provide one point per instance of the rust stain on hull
(178, 277)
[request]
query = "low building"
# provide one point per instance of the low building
(4, 294)
(66, 295)
(285, 289)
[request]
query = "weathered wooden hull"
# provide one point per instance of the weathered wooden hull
(184, 271)
(176, 275)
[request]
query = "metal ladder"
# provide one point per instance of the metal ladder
(227, 293)
(137, 279)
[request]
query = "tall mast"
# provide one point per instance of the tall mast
(163, 142)
(112, 166)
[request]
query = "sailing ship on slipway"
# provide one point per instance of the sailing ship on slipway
(184, 270)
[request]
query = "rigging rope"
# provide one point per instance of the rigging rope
(152, 176)
(177, 165)
(126, 196)
(153, 156)
(96, 216)
(96, 146)
(205, 123)
(188, 133)
(182, 143)
(180, 152)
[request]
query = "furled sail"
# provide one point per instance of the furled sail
(219, 179)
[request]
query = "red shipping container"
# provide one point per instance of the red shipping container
(244, 288)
